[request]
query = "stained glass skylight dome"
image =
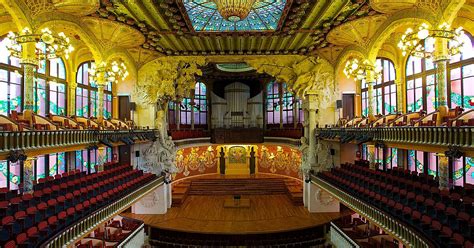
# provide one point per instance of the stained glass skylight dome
(264, 16)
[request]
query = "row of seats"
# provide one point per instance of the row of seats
(309, 237)
(444, 216)
(31, 220)
(363, 233)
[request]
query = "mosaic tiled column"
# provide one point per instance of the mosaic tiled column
(399, 85)
(443, 166)
(28, 174)
(371, 156)
(311, 107)
(71, 99)
(370, 79)
(441, 59)
(29, 67)
(100, 98)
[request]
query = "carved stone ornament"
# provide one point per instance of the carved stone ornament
(150, 200)
(301, 74)
(323, 198)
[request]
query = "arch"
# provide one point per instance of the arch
(86, 36)
(348, 52)
(19, 17)
(400, 19)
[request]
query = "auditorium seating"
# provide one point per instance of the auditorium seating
(309, 237)
(446, 216)
(58, 202)
(110, 234)
(188, 134)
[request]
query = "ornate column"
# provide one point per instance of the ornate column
(443, 166)
(370, 79)
(358, 99)
(28, 173)
(371, 156)
(311, 106)
(295, 112)
(101, 82)
(29, 62)
(71, 98)
(441, 59)
(178, 114)
(399, 85)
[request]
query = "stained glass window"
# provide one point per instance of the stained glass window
(385, 90)
(200, 107)
(10, 82)
(57, 163)
(422, 89)
(50, 88)
(186, 108)
(264, 16)
(3, 173)
(287, 107)
(86, 92)
(462, 76)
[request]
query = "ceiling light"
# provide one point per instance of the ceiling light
(234, 10)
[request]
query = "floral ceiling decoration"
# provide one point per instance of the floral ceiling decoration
(195, 27)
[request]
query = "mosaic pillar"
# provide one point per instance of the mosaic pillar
(101, 158)
(443, 167)
(358, 99)
(71, 100)
(399, 85)
(371, 156)
(100, 98)
(370, 79)
(29, 63)
(441, 59)
(28, 174)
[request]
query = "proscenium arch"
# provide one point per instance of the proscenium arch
(19, 18)
(400, 19)
(88, 38)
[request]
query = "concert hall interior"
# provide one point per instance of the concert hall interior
(237, 123)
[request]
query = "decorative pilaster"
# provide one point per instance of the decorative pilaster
(29, 62)
(443, 166)
(100, 98)
(399, 85)
(371, 156)
(71, 99)
(370, 78)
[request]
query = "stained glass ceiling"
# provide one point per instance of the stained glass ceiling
(264, 16)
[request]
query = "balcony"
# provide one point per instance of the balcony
(433, 136)
(37, 141)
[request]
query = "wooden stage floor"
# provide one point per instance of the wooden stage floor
(206, 214)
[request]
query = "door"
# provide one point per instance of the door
(348, 106)
(124, 154)
(124, 108)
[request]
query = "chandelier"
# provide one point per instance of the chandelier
(111, 72)
(234, 10)
(412, 42)
(355, 69)
(47, 44)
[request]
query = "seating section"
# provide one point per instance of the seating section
(241, 186)
(310, 237)
(446, 217)
(364, 234)
(30, 219)
(188, 134)
(110, 234)
(294, 133)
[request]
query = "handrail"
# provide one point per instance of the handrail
(462, 137)
(67, 236)
(351, 242)
(39, 139)
(389, 224)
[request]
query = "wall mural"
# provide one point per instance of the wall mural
(237, 155)
(281, 160)
(196, 160)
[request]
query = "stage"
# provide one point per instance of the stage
(207, 214)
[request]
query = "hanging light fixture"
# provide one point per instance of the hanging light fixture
(234, 10)
(357, 70)
(47, 44)
(412, 42)
(112, 71)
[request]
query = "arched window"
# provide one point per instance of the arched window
(186, 108)
(461, 76)
(86, 92)
(50, 88)
(288, 104)
(200, 106)
(385, 90)
(11, 82)
(422, 89)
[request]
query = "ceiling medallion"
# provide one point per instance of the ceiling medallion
(234, 10)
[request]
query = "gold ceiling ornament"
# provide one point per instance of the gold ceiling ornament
(360, 70)
(234, 10)
(47, 44)
(112, 71)
(412, 42)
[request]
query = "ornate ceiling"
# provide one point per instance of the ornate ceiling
(194, 27)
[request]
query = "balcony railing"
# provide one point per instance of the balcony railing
(89, 223)
(389, 224)
(439, 136)
(30, 140)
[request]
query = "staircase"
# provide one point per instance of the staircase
(261, 186)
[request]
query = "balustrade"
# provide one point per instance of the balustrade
(440, 136)
(27, 140)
